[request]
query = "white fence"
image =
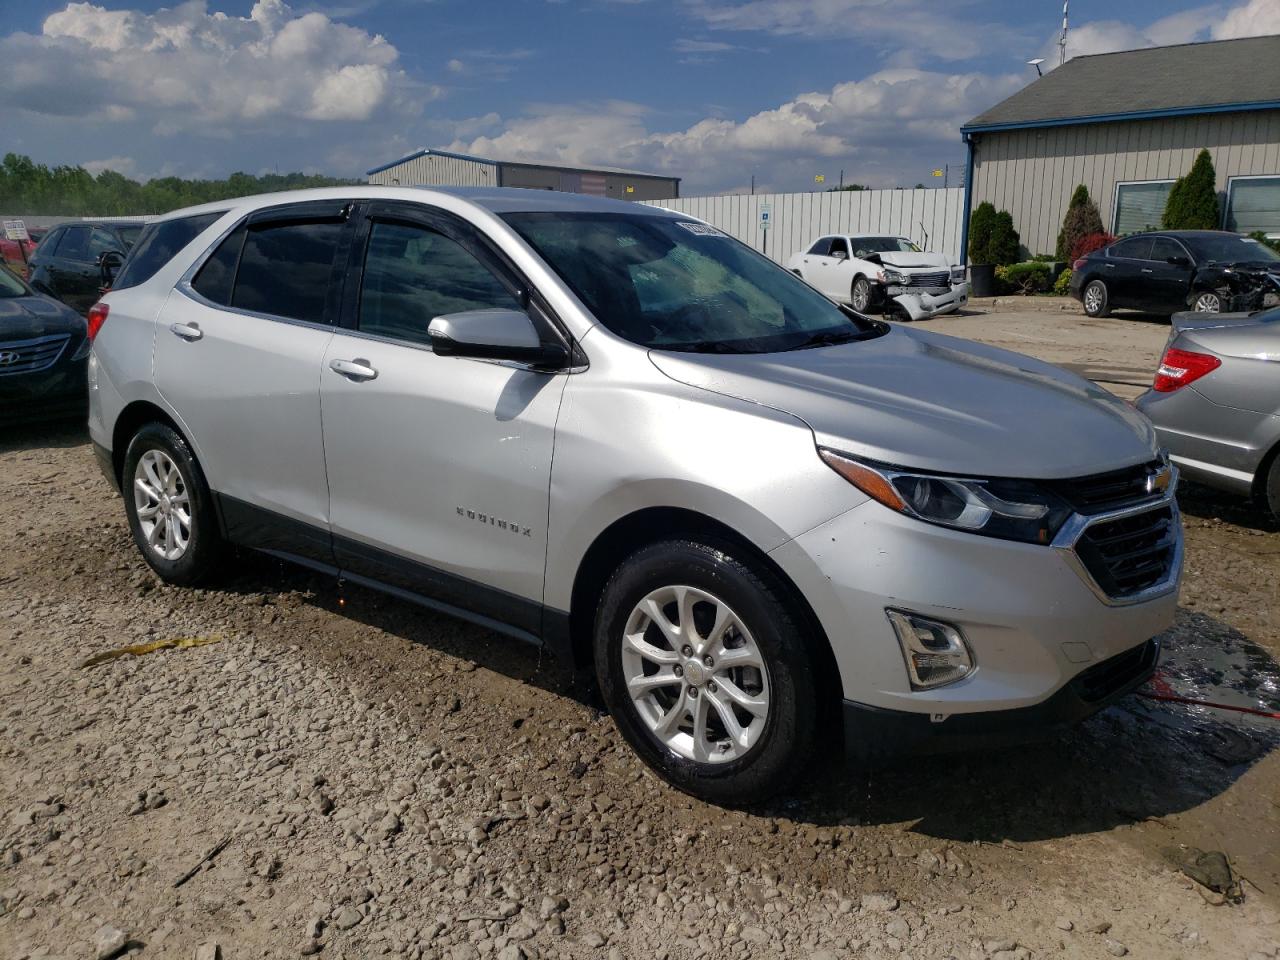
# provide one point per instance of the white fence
(930, 217)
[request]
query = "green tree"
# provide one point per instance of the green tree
(992, 238)
(1193, 200)
(1081, 220)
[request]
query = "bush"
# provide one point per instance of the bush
(1193, 201)
(1024, 278)
(992, 238)
(1062, 286)
(1262, 238)
(1082, 219)
(1094, 241)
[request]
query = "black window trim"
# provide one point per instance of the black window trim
(300, 210)
(51, 240)
(551, 329)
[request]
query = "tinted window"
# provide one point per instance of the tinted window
(102, 241)
(285, 269)
(1135, 248)
(412, 275)
(218, 275)
(74, 244)
(129, 234)
(840, 246)
(159, 242)
(49, 245)
(821, 248)
(676, 284)
(1164, 248)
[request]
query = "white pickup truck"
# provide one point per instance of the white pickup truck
(877, 272)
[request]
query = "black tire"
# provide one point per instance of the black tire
(779, 757)
(863, 290)
(204, 544)
(1103, 305)
(1271, 492)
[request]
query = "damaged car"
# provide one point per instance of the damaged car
(873, 272)
(1209, 271)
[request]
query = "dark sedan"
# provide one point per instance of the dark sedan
(1210, 271)
(44, 352)
(68, 263)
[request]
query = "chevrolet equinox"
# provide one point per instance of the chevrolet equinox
(770, 525)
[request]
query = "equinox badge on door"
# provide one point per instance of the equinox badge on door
(493, 521)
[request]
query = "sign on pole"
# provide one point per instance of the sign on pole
(16, 230)
(938, 172)
(766, 216)
(819, 178)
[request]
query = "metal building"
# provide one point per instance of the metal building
(1128, 124)
(442, 168)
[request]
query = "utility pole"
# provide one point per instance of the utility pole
(841, 179)
(753, 184)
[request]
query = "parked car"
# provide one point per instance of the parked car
(69, 262)
(1206, 270)
(767, 523)
(15, 254)
(44, 351)
(871, 272)
(1215, 401)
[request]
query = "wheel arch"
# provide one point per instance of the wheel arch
(650, 525)
(131, 419)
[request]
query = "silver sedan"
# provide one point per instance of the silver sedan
(1215, 401)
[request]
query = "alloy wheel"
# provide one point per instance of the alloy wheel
(1208, 303)
(861, 295)
(1093, 297)
(695, 674)
(163, 504)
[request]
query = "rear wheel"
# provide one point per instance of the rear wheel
(169, 506)
(1272, 490)
(706, 672)
(861, 295)
(1097, 301)
(1207, 302)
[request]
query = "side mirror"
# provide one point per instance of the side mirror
(1178, 261)
(496, 334)
(109, 265)
(839, 255)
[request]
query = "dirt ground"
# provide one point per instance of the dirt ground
(349, 775)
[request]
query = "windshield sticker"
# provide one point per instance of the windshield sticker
(700, 229)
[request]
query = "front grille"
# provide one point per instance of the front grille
(31, 356)
(1107, 491)
(939, 279)
(1129, 554)
(1104, 679)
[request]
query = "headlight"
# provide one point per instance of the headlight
(1009, 509)
(957, 274)
(892, 276)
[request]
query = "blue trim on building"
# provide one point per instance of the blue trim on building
(1114, 117)
(968, 201)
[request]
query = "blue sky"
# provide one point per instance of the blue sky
(715, 91)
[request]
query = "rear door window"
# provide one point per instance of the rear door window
(158, 245)
(1135, 248)
(285, 269)
(74, 244)
(1163, 248)
(49, 245)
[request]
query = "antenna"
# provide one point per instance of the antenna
(1036, 63)
(1062, 43)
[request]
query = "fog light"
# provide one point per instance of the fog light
(935, 652)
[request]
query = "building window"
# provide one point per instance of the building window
(1253, 205)
(1139, 206)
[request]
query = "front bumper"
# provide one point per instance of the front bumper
(922, 304)
(1032, 617)
(59, 391)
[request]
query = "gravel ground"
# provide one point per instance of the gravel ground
(349, 775)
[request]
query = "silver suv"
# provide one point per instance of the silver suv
(769, 525)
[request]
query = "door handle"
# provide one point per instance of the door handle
(1109, 266)
(1146, 270)
(187, 331)
(357, 369)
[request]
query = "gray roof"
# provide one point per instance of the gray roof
(1189, 78)
(545, 165)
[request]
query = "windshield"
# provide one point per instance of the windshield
(682, 285)
(129, 234)
(11, 286)
(862, 246)
(1227, 248)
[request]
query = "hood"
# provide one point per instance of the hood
(23, 318)
(932, 402)
(904, 259)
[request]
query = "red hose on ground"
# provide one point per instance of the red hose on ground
(1164, 692)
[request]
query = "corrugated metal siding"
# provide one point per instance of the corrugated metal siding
(1032, 173)
(800, 218)
(433, 170)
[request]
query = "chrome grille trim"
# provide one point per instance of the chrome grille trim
(33, 355)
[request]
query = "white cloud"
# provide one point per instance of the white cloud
(1253, 19)
(186, 68)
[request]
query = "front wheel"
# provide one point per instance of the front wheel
(861, 295)
(1097, 302)
(1207, 302)
(706, 672)
(169, 506)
